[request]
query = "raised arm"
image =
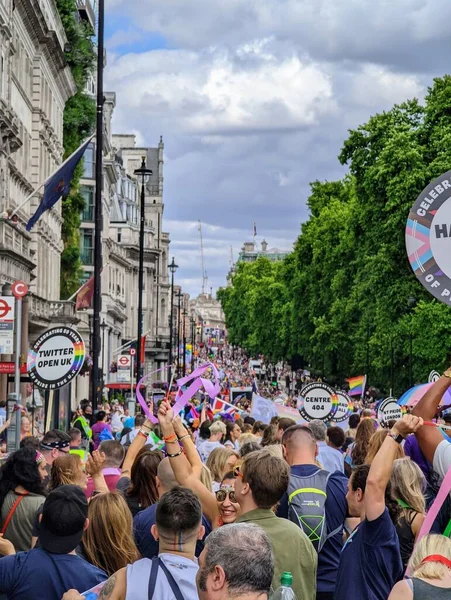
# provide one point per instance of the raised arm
(191, 452)
(94, 466)
(382, 466)
(135, 447)
(181, 466)
(430, 437)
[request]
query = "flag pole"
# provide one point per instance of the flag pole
(36, 190)
(96, 391)
(75, 294)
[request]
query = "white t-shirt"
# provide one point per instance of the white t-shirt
(183, 570)
(207, 448)
(442, 458)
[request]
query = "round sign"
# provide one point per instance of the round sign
(318, 401)
(132, 352)
(124, 360)
(433, 376)
(19, 289)
(5, 308)
(56, 358)
(345, 407)
(388, 410)
(428, 235)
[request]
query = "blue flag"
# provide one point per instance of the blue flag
(58, 184)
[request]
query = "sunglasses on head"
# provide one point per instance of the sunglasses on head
(237, 472)
(222, 494)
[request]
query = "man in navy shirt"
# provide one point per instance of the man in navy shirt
(370, 562)
(300, 450)
(147, 545)
(48, 572)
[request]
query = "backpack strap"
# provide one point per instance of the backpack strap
(338, 529)
(12, 511)
(156, 564)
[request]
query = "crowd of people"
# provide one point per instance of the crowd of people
(118, 508)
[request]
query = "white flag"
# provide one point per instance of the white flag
(262, 409)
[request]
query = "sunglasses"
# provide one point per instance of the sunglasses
(222, 494)
(237, 472)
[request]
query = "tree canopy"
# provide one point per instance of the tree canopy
(345, 301)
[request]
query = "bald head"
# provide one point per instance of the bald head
(166, 476)
(299, 445)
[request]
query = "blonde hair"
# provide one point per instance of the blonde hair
(218, 427)
(376, 441)
(217, 462)
(245, 438)
(206, 479)
(275, 450)
(65, 470)
(108, 541)
(408, 483)
(428, 545)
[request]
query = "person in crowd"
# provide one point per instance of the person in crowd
(233, 433)
(54, 443)
(75, 438)
(353, 423)
(203, 432)
(408, 485)
(435, 448)
(430, 566)
(25, 427)
(372, 553)
(258, 429)
(140, 490)
(108, 541)
(376, 441)
(49, 571)
(22, 492)
(248, 448)
(335, 439)
(300, 449)
(68, 470)
(282, 426)
(357, 452)
(221, 461)
(99, 428)
(83, 423)
(331, 459)
(172, 574)
(238, 563)
(128, 438)
(144, 520)
(206, 478)
(261, 481)
(248, 420)
(217, 432)
(269, 436)
(113, 453)
(138, 476)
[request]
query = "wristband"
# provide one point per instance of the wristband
(144, 435)
(184, 436)
(170, 438)
(398, 438)
(176, 454)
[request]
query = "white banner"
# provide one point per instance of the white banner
(263, 409)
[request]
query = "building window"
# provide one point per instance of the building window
(2, 77)
(87, 246)
(88, 196)
(89, 162)
(119, 236)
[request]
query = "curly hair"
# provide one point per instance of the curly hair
(365, 430)
(22, 469)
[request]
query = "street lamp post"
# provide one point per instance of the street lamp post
(144, 173)
(103, 327)
(172, 268)
(184, 341)
(411, 303)
(179, 295)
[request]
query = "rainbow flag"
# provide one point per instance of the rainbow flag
(357, 385)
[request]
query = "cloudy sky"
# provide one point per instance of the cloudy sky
(254, 99)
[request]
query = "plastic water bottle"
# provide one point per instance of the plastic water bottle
(285, 591)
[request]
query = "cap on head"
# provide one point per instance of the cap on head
(63, 519)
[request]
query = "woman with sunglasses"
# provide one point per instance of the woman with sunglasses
(187, 468)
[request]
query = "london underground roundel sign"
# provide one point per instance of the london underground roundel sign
(56, 358)
(428, 238)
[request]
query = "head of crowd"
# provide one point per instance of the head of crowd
(217, 507)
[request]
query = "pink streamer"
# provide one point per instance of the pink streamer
(212, 389)
(140, 397)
